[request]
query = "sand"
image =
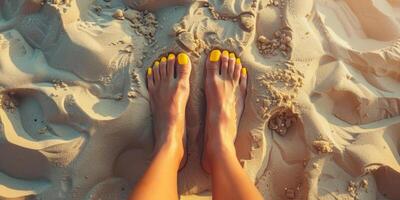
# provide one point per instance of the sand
(321, 120)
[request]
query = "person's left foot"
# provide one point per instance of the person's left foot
(168, 85)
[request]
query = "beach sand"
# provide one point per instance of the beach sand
(321, 118)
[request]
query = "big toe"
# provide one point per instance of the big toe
(184, 67)
(213, 63)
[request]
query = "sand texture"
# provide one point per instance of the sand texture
(321, 119)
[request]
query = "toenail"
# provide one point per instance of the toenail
(149, 71)
(183, 59)
(215, 55)
(232, 55)
(156, 64)
(163, 59)
(225, 53)
(244, 71)
(171, 56)
(238, 61)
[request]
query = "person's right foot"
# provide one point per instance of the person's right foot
(225, 90)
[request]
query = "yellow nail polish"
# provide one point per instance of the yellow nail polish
(225, 53)
(163, 59)
(215, 55)
(156, 64)
(171, 56)
(244, 71)
(149, 71)
(183, 59)
(238, 61)
(232, 55)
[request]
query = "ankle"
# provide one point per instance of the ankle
(220, 156)
(218, 148)
(172, 146)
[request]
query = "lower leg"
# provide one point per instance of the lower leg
(229, 180)
(162, 173)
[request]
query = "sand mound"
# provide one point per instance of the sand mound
(322, 115)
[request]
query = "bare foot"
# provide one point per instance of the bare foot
(168, 85)
(225, 89)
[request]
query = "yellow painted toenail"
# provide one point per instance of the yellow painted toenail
(232, 55)
(171, 56)
(215, 55)
(156, 64)
(225, 53)
(163, 59)
(183, 59)
(238, 61)
(244, 71)
(149, 71)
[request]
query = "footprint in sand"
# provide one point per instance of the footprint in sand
(33, 141)
(81, 43)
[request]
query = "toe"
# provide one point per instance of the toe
(163, 68)
(171, 66)
(150, 79)
(243, 79)
(213, 63)
(224, 63)
(231, 64)
(184, 67)
(156, 72)
(238, 68)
